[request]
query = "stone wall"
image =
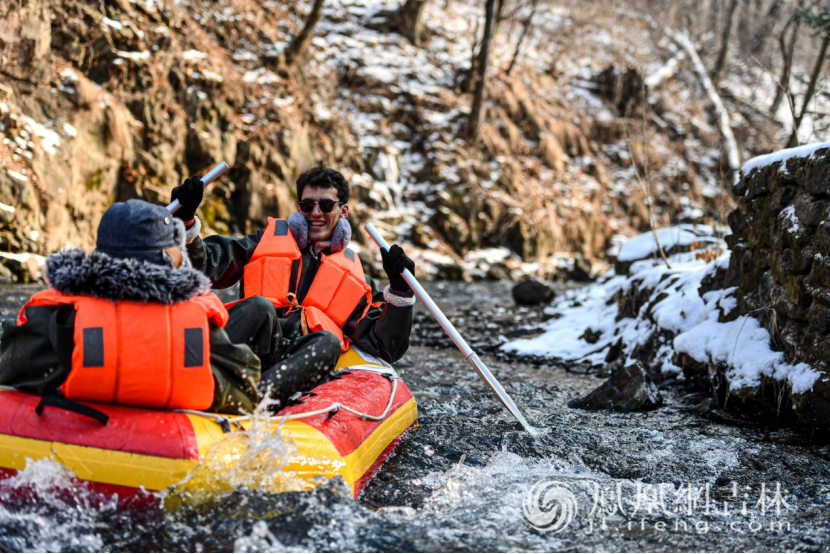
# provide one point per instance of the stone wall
(780, 263)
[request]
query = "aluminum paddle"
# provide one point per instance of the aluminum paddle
(469, 355)
(209, 177)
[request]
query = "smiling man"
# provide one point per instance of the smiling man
(304, 296)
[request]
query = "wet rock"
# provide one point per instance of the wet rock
(498, 272)
(449, 270)
(21, 268)
(811, 213)
(631, 389)
(581, 271)
(6, 275)
(532, 293)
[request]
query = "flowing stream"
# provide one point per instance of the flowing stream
(467, 478)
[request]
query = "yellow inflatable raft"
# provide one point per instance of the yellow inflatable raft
(348, 427)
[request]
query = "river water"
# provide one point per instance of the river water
(677, 478)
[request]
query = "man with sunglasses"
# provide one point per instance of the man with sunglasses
(304, 297)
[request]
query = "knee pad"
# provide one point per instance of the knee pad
(329, 342)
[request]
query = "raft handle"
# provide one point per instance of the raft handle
(71, 406)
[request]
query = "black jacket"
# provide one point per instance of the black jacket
(37, 356)
(384, 332)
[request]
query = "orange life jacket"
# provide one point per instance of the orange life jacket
(337, 289)
(139, 353)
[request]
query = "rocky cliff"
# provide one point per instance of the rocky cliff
(113, 101)
(101, 102)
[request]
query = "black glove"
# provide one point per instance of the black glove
(394, 262)
(189, 194)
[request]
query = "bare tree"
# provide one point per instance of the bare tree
(764, 31)
(820, 20)
(499, 12)
(811, 89)
(522, 36)
(787, 50)
(468, 76)
(407, 20)
(720, 64)
(300, 43)
(484, 53)
(643, 179)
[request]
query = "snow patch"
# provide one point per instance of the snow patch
(49, 139)
(69, 75)
(675, 308)
(112, 24)
(261, 76)
(141, 56)
(644, 246)
(790, 220)
(17, 176)
(743, 345)
(781, 157)
(194, 55)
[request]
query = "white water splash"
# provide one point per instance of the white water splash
(252, 458)
(62, 514)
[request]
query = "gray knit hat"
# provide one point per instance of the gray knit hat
(140, 230)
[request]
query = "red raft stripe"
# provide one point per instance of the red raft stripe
(136, 430)
(365, 391)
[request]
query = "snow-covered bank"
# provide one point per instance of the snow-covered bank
(659, 313)
(746, 317)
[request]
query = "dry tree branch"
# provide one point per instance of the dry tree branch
(787, 92)
(645, 184)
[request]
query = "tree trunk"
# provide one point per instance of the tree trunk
(744, 22)
(724, 45)
(499, 12)
(522, 36)
(409, 20)
(759, 37)
(484, 53)
(300, 43)
(469, 76)
(787, 59)
(811, 89)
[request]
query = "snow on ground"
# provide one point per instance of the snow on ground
(644, 246)
(675, 309)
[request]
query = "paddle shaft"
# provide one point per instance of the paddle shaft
(209, 177)
(471, 357)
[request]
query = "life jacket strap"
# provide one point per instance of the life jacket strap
(293, 304)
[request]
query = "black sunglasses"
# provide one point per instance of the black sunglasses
(326, 205)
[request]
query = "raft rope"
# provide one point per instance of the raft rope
(331, 409)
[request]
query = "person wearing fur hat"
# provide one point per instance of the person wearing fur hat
(302, 275)
(131, 323)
